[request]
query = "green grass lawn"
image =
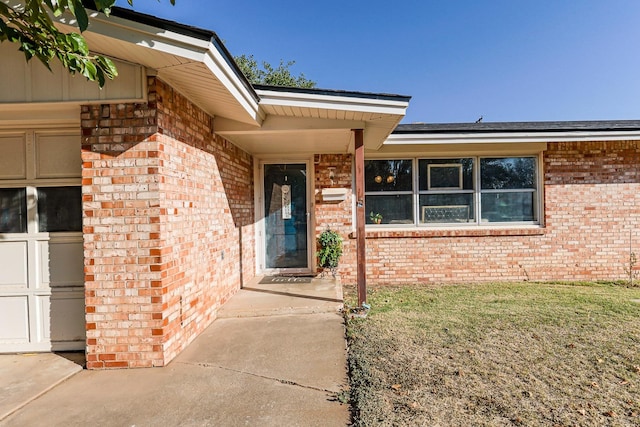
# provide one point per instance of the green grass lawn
(497, 355)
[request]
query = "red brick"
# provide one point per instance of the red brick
(591, 207)
(162, 160)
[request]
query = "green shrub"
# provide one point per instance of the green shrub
(330, 249)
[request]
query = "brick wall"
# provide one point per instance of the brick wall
(592, 204)
(336, 216)
(168, 226)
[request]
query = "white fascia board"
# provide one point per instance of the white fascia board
(329, 102)
(190, 48)
(506, 138)
(225, 74)
(154, 38)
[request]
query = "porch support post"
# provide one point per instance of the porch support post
(360, 217)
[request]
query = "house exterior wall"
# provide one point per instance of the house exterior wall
(336, 216)
(168, 227)
(591, 212)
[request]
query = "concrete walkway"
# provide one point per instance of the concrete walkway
(277, 367)
(24, 377)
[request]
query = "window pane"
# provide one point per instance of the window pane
(445, 174)
(508, 207)
(13, 210)
(395, 209)
(508, 173)
(446, 208)
(387, 175)
(59, 209)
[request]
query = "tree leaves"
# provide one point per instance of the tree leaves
(30, 26)
(78, 43)
(269, 75)
(78, 10)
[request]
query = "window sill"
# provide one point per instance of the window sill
(401, 233)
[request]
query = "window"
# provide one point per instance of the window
(508, 189)
(59, 209)
(446, 190)
(452, 191)
(13, 210)
(389, 191)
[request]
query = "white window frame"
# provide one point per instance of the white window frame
(411, 192)
(476, 192)
(537, 191)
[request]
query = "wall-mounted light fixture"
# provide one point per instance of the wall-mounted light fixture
(332, 173)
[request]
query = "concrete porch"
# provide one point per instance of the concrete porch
(280, 344)
(285, 295)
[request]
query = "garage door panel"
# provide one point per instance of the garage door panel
(13, 162)
(14, 315)
(41, 245)
(58, 155)
(67, 316)
(41, 319)
(13, 256)
(66, 264)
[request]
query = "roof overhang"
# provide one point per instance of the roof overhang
(259, 119)
(191, 60)
(316, 121)
(511, 138)
(512, 133)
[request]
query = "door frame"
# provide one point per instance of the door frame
(259, 213)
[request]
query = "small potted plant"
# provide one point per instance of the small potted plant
(329, 250)
(375, 217)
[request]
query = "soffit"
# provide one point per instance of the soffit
(194, 67)
(311, 123)
(201, 71)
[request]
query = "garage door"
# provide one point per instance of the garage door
(41, 252)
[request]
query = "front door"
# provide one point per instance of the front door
(286, 206)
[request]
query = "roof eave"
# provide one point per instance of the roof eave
(424, 138)
(337, 100)
(195, 45)
(315, 121)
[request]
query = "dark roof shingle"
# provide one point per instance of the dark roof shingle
(518, 127)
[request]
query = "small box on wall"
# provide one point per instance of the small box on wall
(334, 195)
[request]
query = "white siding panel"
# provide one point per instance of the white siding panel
(24, 82)
(127, 83)
(46, 86)
(80, 88)
(13, 74)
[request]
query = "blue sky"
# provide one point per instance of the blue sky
(505, 60)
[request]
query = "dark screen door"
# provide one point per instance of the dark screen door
(285, 213)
